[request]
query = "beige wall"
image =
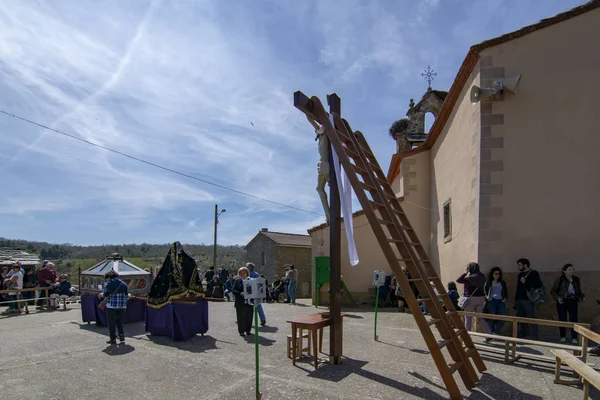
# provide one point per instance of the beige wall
(357, 278)
(455, 176)
(548, 185)
(414, 184)
(543, 163)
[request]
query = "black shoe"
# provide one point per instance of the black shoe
(121, 338)
(242, 334)
(248, 333)
(112, 341)
(263, 323)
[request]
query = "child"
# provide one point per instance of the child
(453, 294)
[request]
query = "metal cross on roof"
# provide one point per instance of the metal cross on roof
(429, 75)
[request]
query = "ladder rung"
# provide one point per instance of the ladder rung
(433, 321)
(375, 204)
(423, 299)
(386, 222)
(365, 185)
(431, 277)
(454, 366)
(450, 312)
(382, 181)
(414, 279)
(470, 351)
(360, 170)
(415, 244)
(443, 343)
(343, 137)
(354, 155)
(460, 331)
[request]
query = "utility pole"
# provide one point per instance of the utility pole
(217, 213)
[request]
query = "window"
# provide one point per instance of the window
(263, 258)
(447, 221)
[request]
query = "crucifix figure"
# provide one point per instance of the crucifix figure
(322, 166)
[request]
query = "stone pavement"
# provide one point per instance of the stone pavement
(53, 355)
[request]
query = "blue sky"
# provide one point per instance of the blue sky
(178, 83)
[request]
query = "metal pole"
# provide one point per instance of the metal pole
(215, 246)
(335, 250)
(376, 308)
(258, 395)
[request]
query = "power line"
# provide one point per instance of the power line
(154, 164)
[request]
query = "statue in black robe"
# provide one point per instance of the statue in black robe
(178, 278)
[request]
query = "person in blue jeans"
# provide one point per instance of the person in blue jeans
(254, 274)
(496, 292)
(293, 279)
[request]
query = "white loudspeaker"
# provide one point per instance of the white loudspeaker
(499, 86)
(509, 84)
(478, 94)
(378, 278)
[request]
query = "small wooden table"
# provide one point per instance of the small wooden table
(312, 323)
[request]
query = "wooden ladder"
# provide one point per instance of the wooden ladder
(401, 246)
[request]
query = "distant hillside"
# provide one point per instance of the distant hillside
(149, 255)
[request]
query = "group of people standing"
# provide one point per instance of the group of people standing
(245, 309)
(489, 295)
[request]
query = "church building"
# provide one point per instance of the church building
(509, 167)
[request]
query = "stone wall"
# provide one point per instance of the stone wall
(301, 258)
(255, 250)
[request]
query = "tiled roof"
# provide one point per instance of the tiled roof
(11, 256)
(465, 71)
(285, 239)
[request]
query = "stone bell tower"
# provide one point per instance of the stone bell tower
(410, 132)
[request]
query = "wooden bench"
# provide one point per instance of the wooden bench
(510, 348)
(586, 373)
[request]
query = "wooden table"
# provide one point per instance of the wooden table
(313, 323)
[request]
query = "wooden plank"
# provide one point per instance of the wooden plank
(582, 330)
(585, 371)
(510, 318)
(335, 251)
(527, 341)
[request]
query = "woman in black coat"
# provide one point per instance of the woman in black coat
(567, 292)
(242, 309)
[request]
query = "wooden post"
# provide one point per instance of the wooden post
(335, 250)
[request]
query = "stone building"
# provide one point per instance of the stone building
(271, 251)
(510, 174)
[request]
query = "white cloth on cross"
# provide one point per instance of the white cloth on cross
(345, 189)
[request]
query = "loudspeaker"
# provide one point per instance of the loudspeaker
(509, 84)
(498, 88)
(478, 94)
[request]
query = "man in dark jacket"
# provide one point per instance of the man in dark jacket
(528, 279)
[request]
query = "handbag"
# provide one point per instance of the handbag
(536, 295)
(462, 300)
(104, 301)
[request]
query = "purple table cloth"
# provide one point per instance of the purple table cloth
(178, 321)
(135, 312)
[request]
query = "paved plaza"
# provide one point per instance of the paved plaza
(53, 355)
